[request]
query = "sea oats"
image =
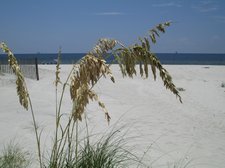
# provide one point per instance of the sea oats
(156, 31)
(83, 77)
(93, 66)
(84, 94)
(57, 72)
(140, 54)
(103, 46)
(89, 70)
(20, 82)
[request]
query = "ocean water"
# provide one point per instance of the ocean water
(165, 58)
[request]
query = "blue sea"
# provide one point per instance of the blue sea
(165, 58)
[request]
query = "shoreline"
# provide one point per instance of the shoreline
(165, 58)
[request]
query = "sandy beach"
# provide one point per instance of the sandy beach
(193, 131)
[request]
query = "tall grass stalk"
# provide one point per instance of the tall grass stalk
(23, 94)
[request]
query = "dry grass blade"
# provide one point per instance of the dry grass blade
(20, 82)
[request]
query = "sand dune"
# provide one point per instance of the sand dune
(194, 130)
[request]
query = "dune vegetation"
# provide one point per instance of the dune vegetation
(109, 152)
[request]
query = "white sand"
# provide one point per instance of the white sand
(194, 130)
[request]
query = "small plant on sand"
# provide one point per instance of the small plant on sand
(13, 156)
(67, 152)
(223, 84)
(180, 89)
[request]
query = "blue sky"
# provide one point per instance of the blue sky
(30, 26)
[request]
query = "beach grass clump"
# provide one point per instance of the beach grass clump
(66, 150)
(109, 152)
(13, 156)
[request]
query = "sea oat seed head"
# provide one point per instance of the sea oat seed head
(20, 82)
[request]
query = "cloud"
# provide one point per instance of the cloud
(208, 9)
(109, 13)
(220, 19)
(168, 4)
(206, 6)
(215, 38)
(206, 2)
